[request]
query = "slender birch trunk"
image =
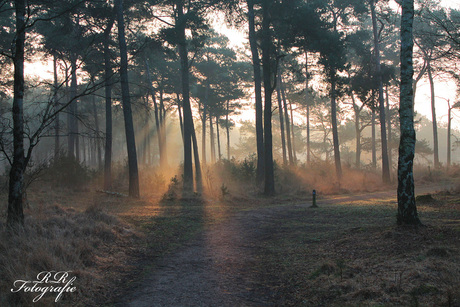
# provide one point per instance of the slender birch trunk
(407, 209)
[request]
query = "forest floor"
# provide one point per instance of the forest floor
(244, 251)
(247, 252)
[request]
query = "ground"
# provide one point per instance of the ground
(255, 251)
(346, 252)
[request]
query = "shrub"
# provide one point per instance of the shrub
(66, 171)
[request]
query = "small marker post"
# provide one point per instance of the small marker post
(314, 200)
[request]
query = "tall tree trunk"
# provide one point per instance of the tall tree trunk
(407, 210)
(212, 140)
(203, 135)
(96, 127)
(390, 137)
(163, 129)
(203, 122)
(127, 113)
(70, 142)
(57, 128)
(196, 156)
(148, 144)
(74, 105)
(188, 120)
(15, 215)
(228, 130)
(358, 141)
(308, 135)
(433, 117)
(269, 184)
(71, 116)
(287, 121)
(383, 131)
(449, 123)
(179, 111)
(293, 134)
(356, 111)
(281, 115)
(83, 152)
(219, 153)
(258, 94)
(373, 139)
(108, 74)
(335, 133)
(307, 103)
(157, 116)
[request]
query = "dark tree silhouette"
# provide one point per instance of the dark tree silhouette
(16, 184)
(127, 113)
(257, 92)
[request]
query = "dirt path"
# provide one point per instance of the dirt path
(216, 268)
(213, 269)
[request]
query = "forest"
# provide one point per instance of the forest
(229, 153)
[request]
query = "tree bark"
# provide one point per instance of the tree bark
(269, 184)
(449, 123)
(357, 110)
(228, 130)
(203, 128)
(164, 145)
(308, 135)
(127, 112)
(83, 153)
(307, 104)
(281, 115)
(383, 131)
(390, 136)
(219, 153)
(433, 117)
(188, 120)
(96, 127)
(74, 105)
(373, 138)
(258, 94)
(158, 124)
(57, 128)
(179, 111)
(294, 155)
(15, 215)
(196, 156)
(72, 115)
(212, 140)
(287, 121)
(108, 74)
(335, 133)
(407, 210)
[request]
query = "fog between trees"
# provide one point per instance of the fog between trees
(143, 84)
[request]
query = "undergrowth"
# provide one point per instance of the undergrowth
(55, 238)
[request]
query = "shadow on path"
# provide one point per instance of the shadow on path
(217, 268)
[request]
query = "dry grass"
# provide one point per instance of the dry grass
(237, 178)
(354, 255)
(341, 255)
(322, 177)
(92, 244)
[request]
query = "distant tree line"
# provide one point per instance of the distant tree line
(161, 59)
